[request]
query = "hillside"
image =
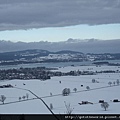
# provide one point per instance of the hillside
(38, 56)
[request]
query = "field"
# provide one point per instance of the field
(51, 92)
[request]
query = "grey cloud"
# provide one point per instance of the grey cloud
(85, 46)
(28, 14)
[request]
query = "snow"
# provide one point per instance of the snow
(98, 91)
(88, 68)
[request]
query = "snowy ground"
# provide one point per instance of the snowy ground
(98, 91)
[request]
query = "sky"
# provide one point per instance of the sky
(59, 20)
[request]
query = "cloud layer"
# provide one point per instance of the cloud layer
(28, 14)
(85, 46)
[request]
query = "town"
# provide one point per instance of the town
(43, 56)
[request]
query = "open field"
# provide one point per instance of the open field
(51, 92)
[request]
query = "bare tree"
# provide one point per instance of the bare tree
(51, 106)
(68, 108)
(50, 94)
(105, 105)
(27, 96)
(2, 98)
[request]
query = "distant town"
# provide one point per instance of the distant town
(39, 56)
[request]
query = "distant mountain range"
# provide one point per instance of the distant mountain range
(85, 46)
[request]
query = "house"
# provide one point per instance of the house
(85, 102)
(101, 101)
(116, 100)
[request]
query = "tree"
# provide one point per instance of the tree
(93, 80)
(51, 106)
(66, 92)
(20, 98)
(27, 96)
(105, 105)
(59, 81)
(117, 81)
(114, 83)
(2, 98)
(88, 88)
(24, 97)
(75, 89)
(110, 83)
(68, 108)
(50, 94)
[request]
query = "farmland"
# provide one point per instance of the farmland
(51, 92)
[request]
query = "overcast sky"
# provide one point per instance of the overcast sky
(58, 20)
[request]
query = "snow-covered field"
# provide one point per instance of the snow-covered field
(43, 89)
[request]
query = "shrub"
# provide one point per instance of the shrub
(24, 97)
(93, 80)
(110, 83)
(88, 88)
(117, 81)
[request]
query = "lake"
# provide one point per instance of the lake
(56, 64)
